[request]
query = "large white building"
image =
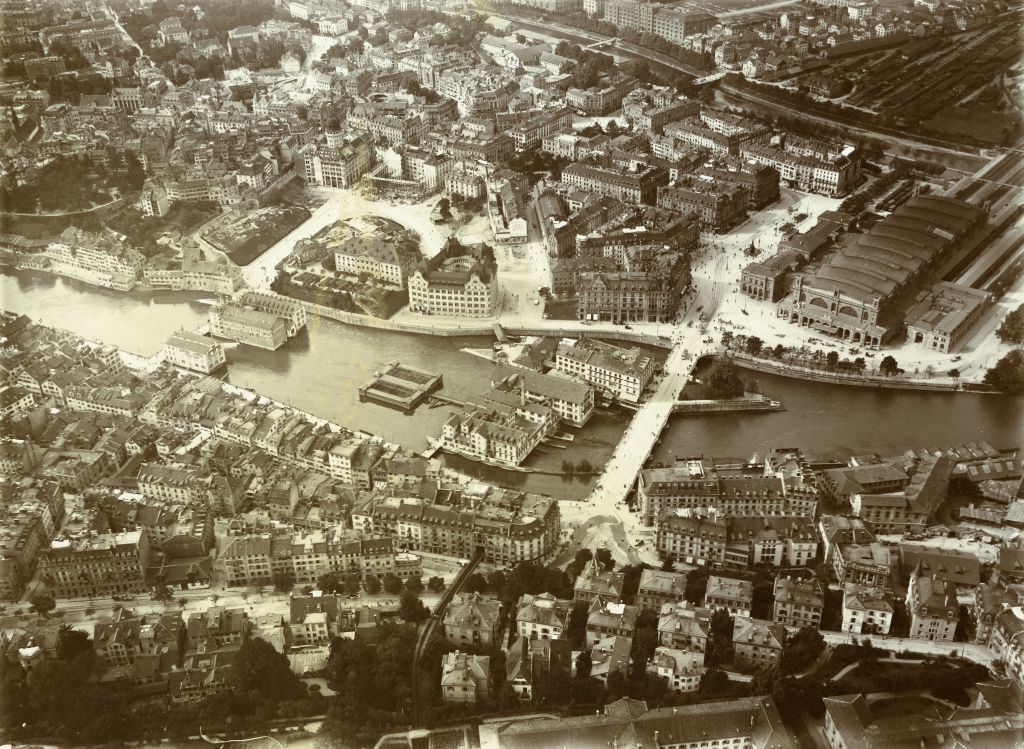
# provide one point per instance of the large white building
(457, 282)
(622, 374)
(193, 351)
(342, 166)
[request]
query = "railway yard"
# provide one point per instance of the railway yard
(954, 88)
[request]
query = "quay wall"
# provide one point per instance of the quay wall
(479, 328)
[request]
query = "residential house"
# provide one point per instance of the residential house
(836, 530)
(595, 583)
(864, 564)
(933, 607)
(472, 619)
(758, 643)
(866, 610)
(465, 678)
(680, 628)
(606, 619)
(681, 669)
(542, 617)
(658, 587)
(798, 602)
(608, 655)
(1007, 642)
(692, 536)
(531, 661)
(729, 593)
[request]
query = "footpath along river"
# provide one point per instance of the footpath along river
(321, 372)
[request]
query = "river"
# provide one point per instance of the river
(320, 373)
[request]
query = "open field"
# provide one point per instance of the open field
(245, 235)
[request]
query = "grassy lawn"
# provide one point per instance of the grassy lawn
(894, 707)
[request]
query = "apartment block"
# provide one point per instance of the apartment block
(618, 372)
(692, 536)
(658, 587)
(866, 610)
(798, 602)
(97, 565)
(729, 593)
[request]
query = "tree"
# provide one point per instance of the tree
(43, 603)
(476, 583)
(353, 583)
(1008, 374)
(259, 668)
(576, 628)
(668, 564)
(411, 608)
(327, 582)
(859, 364)
(583, 664)
(719, 647)
(713, 682)
(283, 581)
(72, 643)
(954, 373)
(832, 359)
(754, 345)
(697, 585)
(888, 367)
(723, 381)
(1012, 328)
(496, 581)
(161, 592)
(372, 585)
(497, 671)
(616, 684)
(435, 584)
(779, 351)
(414, 585)
(801, 650)
(763, 680)
(392, 584)
(579, 563)
(604, 558)
(645, 641)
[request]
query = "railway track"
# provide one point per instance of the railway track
(436, 617)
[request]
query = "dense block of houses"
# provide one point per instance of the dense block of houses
(595, 583)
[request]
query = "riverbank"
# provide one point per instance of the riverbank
(756, 364)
